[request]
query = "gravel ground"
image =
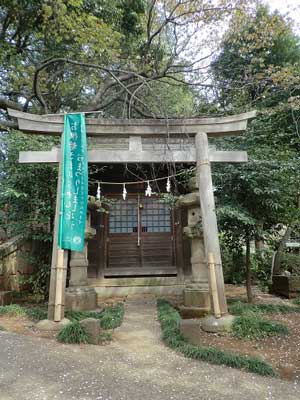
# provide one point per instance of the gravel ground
(136, 366)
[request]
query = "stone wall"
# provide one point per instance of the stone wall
(14, 263)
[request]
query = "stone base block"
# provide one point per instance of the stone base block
(80, 298)
(192, 312)
(92, 327)
(5, 298)
(48, 325)
(196, 298)
(190, 329)
(217, 325)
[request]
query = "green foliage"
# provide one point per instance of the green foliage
(258, 67)
(169, 199)
(233, 263)
(105, 337)
(110, 317)
(2, 328)
(169, 319)
(240, 308)
(73, 333)
(16, 310)
(36, 313)
(261, 262)
(296, 301)
(79, 315)
(13, 310)
(27, 192)
(290, 262)
(38, 281)
(250, 325)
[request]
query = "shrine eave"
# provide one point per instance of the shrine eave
(216, 126)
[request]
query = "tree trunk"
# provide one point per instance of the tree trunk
(278, 255)
(259, 240)
(248, 272)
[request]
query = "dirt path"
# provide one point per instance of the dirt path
(136, 366)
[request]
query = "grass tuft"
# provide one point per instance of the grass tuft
(13, 310)
(16, 310)
(105, 337)
(73, 333)
(110, 317)
(296, 301)
(239, 308)
(79, 315)
(169, 319)
(35, 313)
(250, 325)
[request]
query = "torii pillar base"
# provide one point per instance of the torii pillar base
(79, 296)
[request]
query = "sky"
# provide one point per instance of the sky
(289, 7)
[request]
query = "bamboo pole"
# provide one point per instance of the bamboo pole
(213, 285)
(59, 258)
(59, 286)
(52, 287)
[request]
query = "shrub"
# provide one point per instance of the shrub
(73, 333)
(250, 325)
(169, 319)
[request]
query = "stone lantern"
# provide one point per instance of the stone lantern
(79, 296)
(196, 295)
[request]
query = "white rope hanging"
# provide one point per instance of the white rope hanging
(142, 181)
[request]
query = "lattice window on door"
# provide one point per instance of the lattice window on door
(123, 216)
(155, 216)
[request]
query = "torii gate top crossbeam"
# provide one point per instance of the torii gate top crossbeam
(214, 127)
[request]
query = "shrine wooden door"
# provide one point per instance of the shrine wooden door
(140, 238)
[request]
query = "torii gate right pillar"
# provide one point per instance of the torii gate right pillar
(209, 218)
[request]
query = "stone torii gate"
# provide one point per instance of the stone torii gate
(146, 141)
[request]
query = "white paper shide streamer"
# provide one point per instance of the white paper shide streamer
(98, 195)
(148, 191)
(124, 192)
(168, 187)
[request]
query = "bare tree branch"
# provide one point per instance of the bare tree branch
(5, 104)
(8, 124)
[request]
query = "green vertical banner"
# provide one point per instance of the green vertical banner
(74, 190)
